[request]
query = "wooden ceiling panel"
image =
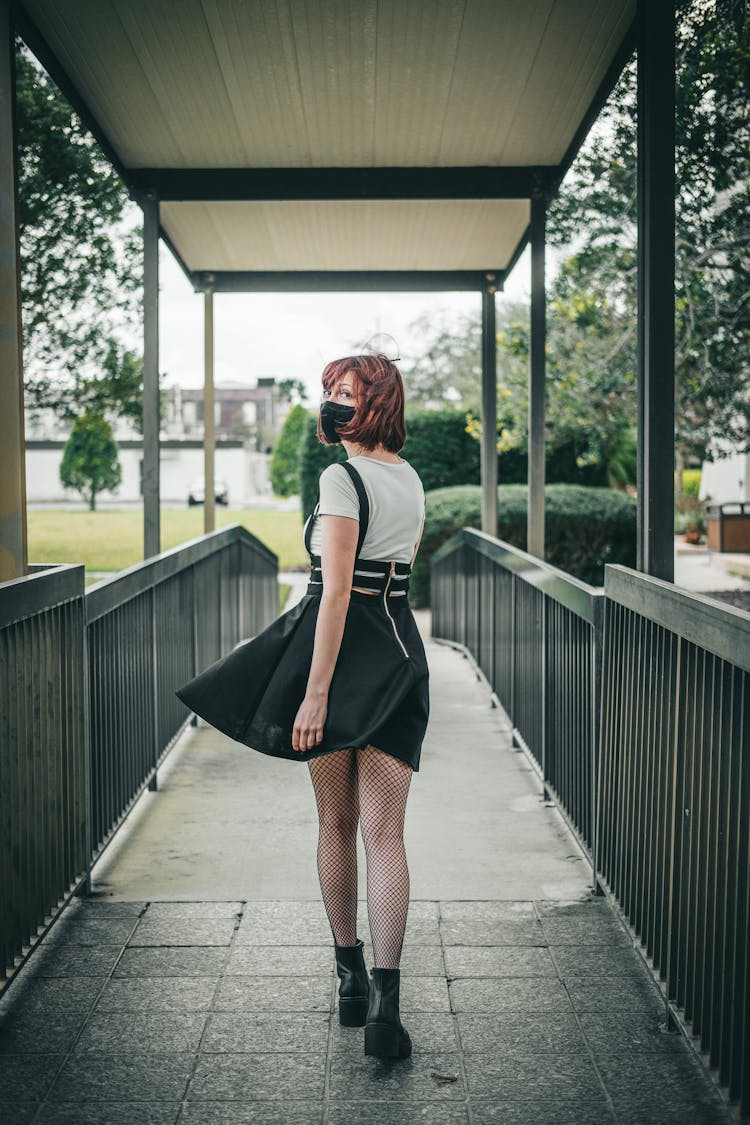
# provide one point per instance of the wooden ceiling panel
(353, 235)
(350, 83)
(286, 84)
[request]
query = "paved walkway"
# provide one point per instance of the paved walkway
(197, 984)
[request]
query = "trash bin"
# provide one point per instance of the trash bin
(728, 527)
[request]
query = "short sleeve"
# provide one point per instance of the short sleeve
(338, 496)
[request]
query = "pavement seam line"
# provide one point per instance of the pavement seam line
(454, 1017)
(71, 1050)
(209, 1015)
(326, 1106)
(577, 1018)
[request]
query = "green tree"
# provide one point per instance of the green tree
(596, 212)
(285, 456)
(592, 327)
(590, 385)
(90, 460)
(293, 389)
(79, 239)
(448, 370)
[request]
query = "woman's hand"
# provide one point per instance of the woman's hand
(308, 725)
(339, 547)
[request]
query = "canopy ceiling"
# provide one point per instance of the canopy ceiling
(185, 94)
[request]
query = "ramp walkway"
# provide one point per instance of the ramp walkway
(196, 984)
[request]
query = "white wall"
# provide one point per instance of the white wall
(245, 472)
(726, 480)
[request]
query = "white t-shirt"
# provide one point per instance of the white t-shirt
(396, 498)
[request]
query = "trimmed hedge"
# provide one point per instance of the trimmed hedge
(437, 445)
(585, 528)
(444, 455)
(440, 449)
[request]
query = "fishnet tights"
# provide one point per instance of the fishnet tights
(370, 787)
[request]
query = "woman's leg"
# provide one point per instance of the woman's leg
(334, 778)
(383, 790)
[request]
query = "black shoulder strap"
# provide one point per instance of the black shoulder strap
(364, 503)
(364, 509)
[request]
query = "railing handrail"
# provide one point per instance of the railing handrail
(45, 588)
(722, 629)
(576, 595)
(120, 587)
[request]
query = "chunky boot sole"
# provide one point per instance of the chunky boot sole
(384, 1041)
(353, 1011)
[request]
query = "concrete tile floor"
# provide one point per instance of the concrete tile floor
(249, 1031)
(183, 991)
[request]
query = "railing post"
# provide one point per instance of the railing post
(597, 649)
(673, 829)
(85, 888)
(153, 782)
(543, 688)
(513, 652)
(194, 631)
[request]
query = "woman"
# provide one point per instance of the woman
(341, 682)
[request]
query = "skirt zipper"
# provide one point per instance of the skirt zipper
(385, 607)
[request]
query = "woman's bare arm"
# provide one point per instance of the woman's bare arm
(338, 550)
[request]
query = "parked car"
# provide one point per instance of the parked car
(197, 493)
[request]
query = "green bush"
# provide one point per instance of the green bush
(691, 483)
(285, 456)
(440, 449)
(585, 527)
(444, 455)
(437, 445)
(313, 458)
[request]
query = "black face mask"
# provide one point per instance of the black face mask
(333, 415)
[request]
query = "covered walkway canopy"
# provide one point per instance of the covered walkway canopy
(346, 145)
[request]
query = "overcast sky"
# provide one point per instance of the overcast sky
(293, 335)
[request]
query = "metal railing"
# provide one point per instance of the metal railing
(674, 800)
(535, 632)
(43, 759)
(87, 704)
(635, 703)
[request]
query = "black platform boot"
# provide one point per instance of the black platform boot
(385, 1035)
(354, 988)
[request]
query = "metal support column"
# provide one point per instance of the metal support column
(537, 376)
(209, 425)
(13, 541)
(656, 215)
(489, 412)
(151, 412)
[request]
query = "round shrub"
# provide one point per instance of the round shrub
(585, 528)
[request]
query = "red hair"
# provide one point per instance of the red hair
(379, 419)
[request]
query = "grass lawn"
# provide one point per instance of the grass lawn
(112, 539)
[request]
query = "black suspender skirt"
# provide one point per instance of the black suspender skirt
(379, 692)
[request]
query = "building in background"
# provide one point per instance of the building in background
(247, 419)
(254, 414)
